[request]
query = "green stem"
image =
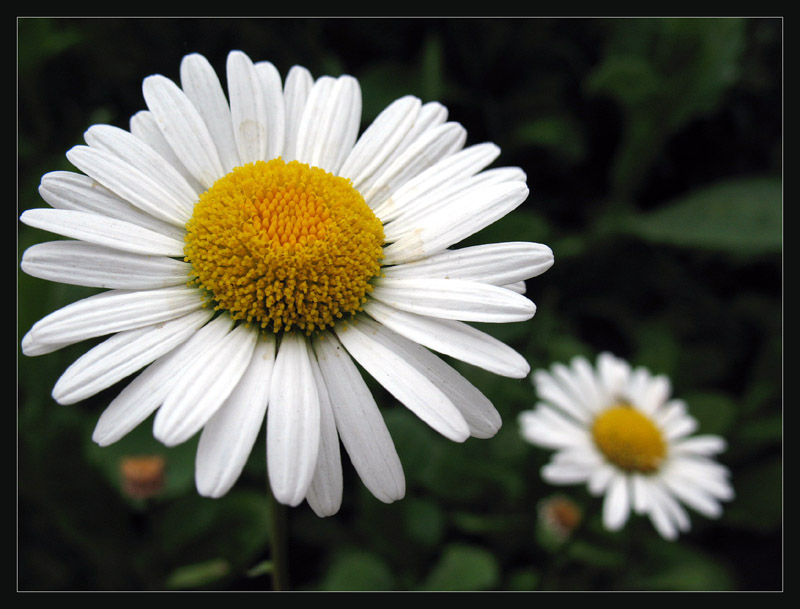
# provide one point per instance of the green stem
(278, 535)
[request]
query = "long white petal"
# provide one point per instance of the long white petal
(480, 415)
(430, 116)
(183, 128)
(547, 427)
(494, 263)
(201, 84)
(329, 127)
(102, 230)
(447, 175)
(293, 422)
(432, 145)
(228, 436)
(203, 387)
(296, 89)
(454, 299)
(130, 149)
(325, 492)
(95, 266)
(72, 191)
(275, 108)
(452, 338)
(145, 393)
(361, 427)
(450, 224)
(380, 139)
(402, 379)
(106, 313)
(123, 354)
(248, 108)
(130, 184)
(616, 506)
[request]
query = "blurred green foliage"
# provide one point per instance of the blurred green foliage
(653, 149)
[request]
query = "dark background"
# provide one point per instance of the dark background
(653, 149)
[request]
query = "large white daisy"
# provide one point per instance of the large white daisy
(254, 248)
(617, 430)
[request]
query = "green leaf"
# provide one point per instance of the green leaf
(464, 567)
(714, 412)
(560, 135)
(198, 575)
(739, 216)
(358, 570)
(758, 505)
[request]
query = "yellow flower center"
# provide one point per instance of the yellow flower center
(284, 245)
(629, 439)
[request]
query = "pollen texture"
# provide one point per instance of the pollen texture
(629, 439)
(284, 245)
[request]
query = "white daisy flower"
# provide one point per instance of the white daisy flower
(254, 248)
(617, 430)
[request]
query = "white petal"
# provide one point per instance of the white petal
(551, 391)
(433, 145)
(109, 312)
(275, 108)
(692, 495)
(295, 94)
(293, 422)
(574, 388)
(586, 382)
(202, 387)
(672, 509)
(248, 108)
(450, 172)
(616, 506)
(549, 428)
(136, 153)
(600, 478)
(613, 374)
(450, 224)
(143, 126)
(380, 139)
(430, 116)
(123, 354)
(95, 266)
(130, 184)
(73, 191)
(454, 299)
(183, 128)
(359, 422)
(656, 394)
(228, 436)
(416, 213)
(640, 493)
(452, 338)
(329, 127)
(145, 393)
(102, 230)
(494, 263)
(565, 473)
(201, 84)
(480, 415)
(325, 493)
(402, 379)
(699, 445)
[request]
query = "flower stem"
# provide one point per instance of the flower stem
(278, 535)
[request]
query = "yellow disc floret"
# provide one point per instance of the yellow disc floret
(629, 439)
(284, 245)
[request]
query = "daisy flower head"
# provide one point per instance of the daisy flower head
(617, 430)
(254, 248)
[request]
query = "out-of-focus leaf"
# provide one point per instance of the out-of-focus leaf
(198, 575)
(424, 521)
(714, 412)
(560, 135)
(740, 216)
(676, 566)
(758, 505)
(358, 570)
(464, 567)
(524, 579)
(594, 555)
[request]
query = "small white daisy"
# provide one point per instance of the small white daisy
(617, 430)
(254, 248)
